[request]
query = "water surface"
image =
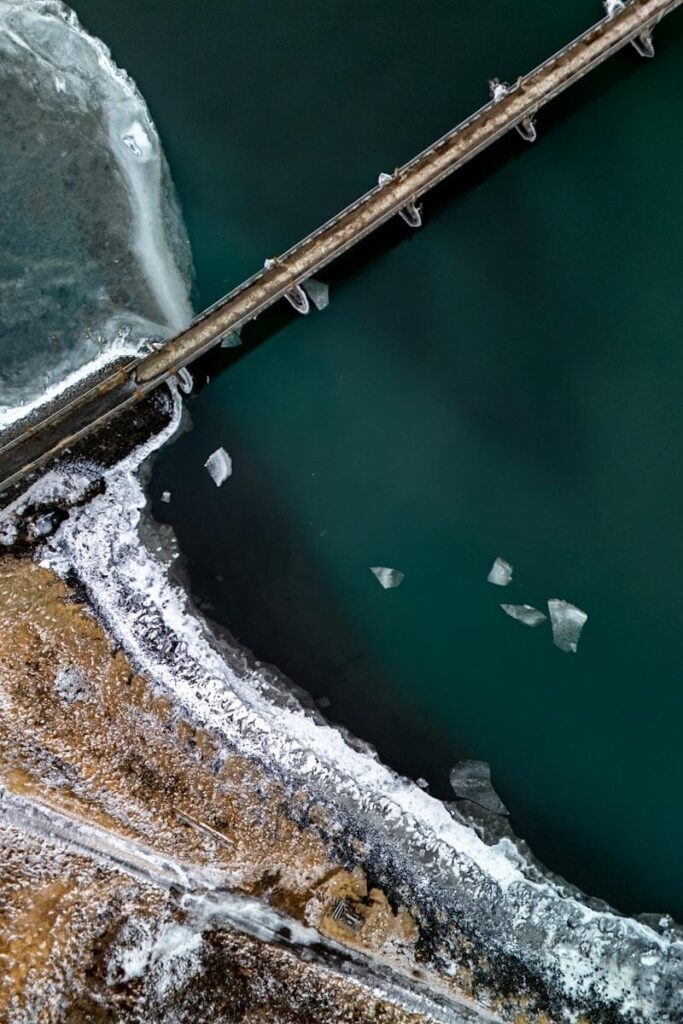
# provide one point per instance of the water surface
(504, 382)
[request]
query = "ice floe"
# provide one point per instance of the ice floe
(525, 613)
(500, 573)
(567, 622)
(388, 578)
(219, 466)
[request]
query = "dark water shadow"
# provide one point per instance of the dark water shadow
(544, 385)
(251, 569)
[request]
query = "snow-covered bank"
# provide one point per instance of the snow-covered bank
(587, 959)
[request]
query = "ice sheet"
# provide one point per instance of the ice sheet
(94, 258)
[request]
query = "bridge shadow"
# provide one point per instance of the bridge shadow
(282, 607)
(440, 201)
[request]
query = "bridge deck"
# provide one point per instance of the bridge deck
(47, 437)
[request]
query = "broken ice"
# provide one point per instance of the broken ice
(219, 466)
(231, 340)
(567, 621)
(388, 577)
(501, 573)
(318, 293)
(525, 613)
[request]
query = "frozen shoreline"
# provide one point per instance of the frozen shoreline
(585, 957)
(535, 932)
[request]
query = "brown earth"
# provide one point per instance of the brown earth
(83, 734)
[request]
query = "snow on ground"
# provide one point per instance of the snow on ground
(585, 953)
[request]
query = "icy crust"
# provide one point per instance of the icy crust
(585, 957)
(94, 258)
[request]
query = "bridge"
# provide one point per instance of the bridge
(23, 451)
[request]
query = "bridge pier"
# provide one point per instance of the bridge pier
(527, 126)
(643, 43)
(296, 296)
(411, 213)
(25, 447)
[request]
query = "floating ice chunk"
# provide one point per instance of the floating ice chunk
(318, 293)
(219, 466)
(471, 780)
(567, 621)
(166, 497)
(525, 613)
(501, 573)
(388, 577)
(231, 340)
(422, 783)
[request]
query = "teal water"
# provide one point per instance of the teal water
(507, 381)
